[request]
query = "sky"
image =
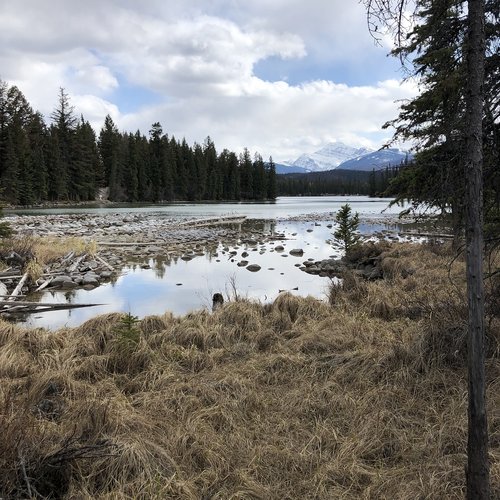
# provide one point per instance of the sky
(280, 77)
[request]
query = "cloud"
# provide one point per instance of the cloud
(281, 120)
(199, 61)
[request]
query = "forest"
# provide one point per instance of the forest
(338, 182)
(65, 161)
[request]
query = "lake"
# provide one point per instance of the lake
(180, 286)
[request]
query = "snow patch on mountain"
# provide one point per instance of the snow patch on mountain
(377, 160)
(328, 157)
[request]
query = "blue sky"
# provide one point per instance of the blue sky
(280, 77)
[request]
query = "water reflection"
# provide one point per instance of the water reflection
(169, 283)
(180, 286)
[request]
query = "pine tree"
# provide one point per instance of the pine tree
(346, 231)
(271, 179)
(109, 152)
(64, 123)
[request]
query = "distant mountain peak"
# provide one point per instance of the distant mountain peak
(329, 156)
(377, 160)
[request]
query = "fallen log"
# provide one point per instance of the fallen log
(28, 307)
(45, 284)
(73, 266)
(212, 221)
(20, 275)
(102, 261)
(18, 288)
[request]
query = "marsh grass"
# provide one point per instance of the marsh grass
(44, 250)
(364, 398)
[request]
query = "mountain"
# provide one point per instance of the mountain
(289, 169)
(328, 157)
(376, 160)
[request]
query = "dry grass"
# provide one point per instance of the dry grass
(364, 398)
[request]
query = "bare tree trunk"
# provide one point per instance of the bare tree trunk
(477, 447)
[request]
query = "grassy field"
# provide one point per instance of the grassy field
(364, 397)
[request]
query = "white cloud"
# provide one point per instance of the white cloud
(94, 109)
(281, 120)
(199, 60)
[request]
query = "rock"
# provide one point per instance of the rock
(187, 258)
(59, 280)
(106, 274)
(253, 268)
(145, 266)
(242, 263)
(309, 230)
(279, 248)
(298, 252)
(90, 279)
(68, 285)
(244, 254)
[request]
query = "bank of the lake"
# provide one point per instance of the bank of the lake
(164, 262)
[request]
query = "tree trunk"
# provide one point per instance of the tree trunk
(477, 446)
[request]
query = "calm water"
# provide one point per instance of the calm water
(180, 286)
(283, 207)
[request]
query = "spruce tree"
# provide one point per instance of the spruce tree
(346, 231)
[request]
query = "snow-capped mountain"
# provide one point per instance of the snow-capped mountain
(328, 157)
(376, 160)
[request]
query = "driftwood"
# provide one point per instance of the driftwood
(102, 261)
(31, 307)
(7, 273)
(45, 284)
(427, 235)
(18, 288)
(73, 266)
(21, 275)
(213, 221)
(67, 257)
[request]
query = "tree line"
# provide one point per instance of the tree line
(338, 182)
(66, 161)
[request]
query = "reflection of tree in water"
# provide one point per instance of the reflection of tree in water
(212, 252)
(160, 265)
(269, 227)
(69, 296)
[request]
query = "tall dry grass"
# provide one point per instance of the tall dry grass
(361, 398)
(45, 250)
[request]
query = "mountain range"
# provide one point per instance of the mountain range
(339, 155)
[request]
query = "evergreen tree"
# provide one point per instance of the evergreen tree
(64, 123)
(346, 231)
(259, 178)
(109, 152)
(246, 175)
(38, 143)
(86, 162)
(271, 179)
